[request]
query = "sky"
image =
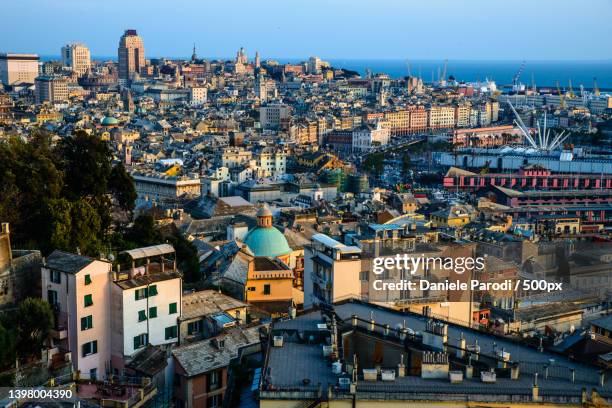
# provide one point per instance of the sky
(331, 29)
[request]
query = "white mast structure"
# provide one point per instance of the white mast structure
(545, 140)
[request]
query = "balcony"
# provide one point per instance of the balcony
(59, 333)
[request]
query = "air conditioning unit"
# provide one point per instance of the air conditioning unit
(344, 383)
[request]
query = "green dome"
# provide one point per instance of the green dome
(267, 242)
(109, 121)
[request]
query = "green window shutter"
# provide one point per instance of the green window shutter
(171, 332)
(136, 342)
(87, 279)
(152, 312)
(95, 346)
(172, 308)
(142, 315)
(88, 300)
(152, 290)
(83, 323)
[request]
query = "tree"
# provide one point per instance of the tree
(187, 257)
(143, 232)
(121, 185)
(405, 163)
(59, 226)
(34, 320)
(374, 163)
(86, 162)
(86, 225)
(7, 344)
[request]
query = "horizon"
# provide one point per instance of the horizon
(478, 30)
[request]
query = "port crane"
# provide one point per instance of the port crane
(561, 97)
(595, 87)
(517, 77)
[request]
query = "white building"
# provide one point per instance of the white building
(146, 302)
(366, 137)
(271, 116)
(314, 65)
(18, 68)
(198, 95)
(331, 271)
(76, 57)
(272, 162)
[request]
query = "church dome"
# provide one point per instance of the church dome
(267, 242)
(109, 121)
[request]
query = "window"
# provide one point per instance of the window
(86, 322)
(93, 374)
(88, 300)
(55, 276)
(142, 315)
(87, 279)
(171, 332)
(172, 308)
(213, 381)
(153, 312)
(52, 297)
(140, 294)
(194, 327)
(266, 289)
(152, 290)
(90, 348)
(141, 340)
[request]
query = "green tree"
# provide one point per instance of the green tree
(187, 257)
(86, 162)
(59, 226)
(121, 185)
(85, 228)
(143, 232)
(8, 343)
(374, 163)
(33, 319)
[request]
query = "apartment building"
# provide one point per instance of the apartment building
(441, 117)
(78, 288)
(76, 57)
(367, 137)
(331, 271)
(271, 116)
(18, 68)
(145, 302)
(52, 89)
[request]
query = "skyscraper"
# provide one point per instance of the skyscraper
(17, 68)
(77, 57)
(131, 55)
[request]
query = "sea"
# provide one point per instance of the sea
(544, 73)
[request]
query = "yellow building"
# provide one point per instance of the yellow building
(453, 216)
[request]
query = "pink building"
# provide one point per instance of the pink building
(530, 177)
(78, 287)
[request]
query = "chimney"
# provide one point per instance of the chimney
(514, 372)
(535, 390)
(401, 368)
(461, 347)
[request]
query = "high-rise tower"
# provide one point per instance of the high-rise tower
(131, 55)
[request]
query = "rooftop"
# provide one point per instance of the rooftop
(67, 262)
